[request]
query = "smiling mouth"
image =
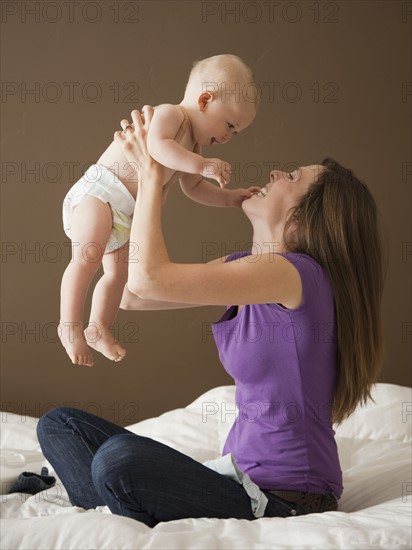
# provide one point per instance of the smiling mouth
(262, 193)
(213, 140)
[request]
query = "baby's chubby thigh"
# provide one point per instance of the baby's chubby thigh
(91, 227)
(120, 230)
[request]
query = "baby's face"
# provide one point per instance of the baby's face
(220, 120)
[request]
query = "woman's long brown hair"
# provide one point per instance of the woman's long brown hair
(336, 224)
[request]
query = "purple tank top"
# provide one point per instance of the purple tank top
(284, 364)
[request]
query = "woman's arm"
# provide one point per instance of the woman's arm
(131, 301)
(259, 278)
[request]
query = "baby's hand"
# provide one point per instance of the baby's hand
(237, 196)
(216, 169)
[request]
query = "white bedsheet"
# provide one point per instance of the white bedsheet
(374, 512)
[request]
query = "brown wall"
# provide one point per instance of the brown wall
(335, 80)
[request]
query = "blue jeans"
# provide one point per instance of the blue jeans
(101, 463)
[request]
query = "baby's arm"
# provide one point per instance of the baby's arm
(162, 147)
(207, 193)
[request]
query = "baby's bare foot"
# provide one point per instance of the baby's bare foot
(101, 339)
(73, 340)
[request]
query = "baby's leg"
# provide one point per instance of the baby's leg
(106, 300)
(91, 225)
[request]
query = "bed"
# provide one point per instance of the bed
(374, 511)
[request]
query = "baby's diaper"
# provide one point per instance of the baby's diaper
(103, 184)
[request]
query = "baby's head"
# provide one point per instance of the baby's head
(221, 98)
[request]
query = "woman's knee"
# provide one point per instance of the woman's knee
(52, 418)
(117, 455)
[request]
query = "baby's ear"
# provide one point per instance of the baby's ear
(204, 99)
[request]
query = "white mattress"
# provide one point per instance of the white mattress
(374, 512)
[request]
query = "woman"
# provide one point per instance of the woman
(303, 343)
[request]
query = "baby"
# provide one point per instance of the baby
(98, 209)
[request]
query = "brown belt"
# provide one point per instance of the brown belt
(310, 502)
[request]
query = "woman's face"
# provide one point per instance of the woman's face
(283, 192)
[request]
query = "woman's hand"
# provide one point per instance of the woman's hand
(133, 140)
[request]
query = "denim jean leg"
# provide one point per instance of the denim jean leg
(144, 479)
(69, 439)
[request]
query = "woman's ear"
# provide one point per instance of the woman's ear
(204, 99)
